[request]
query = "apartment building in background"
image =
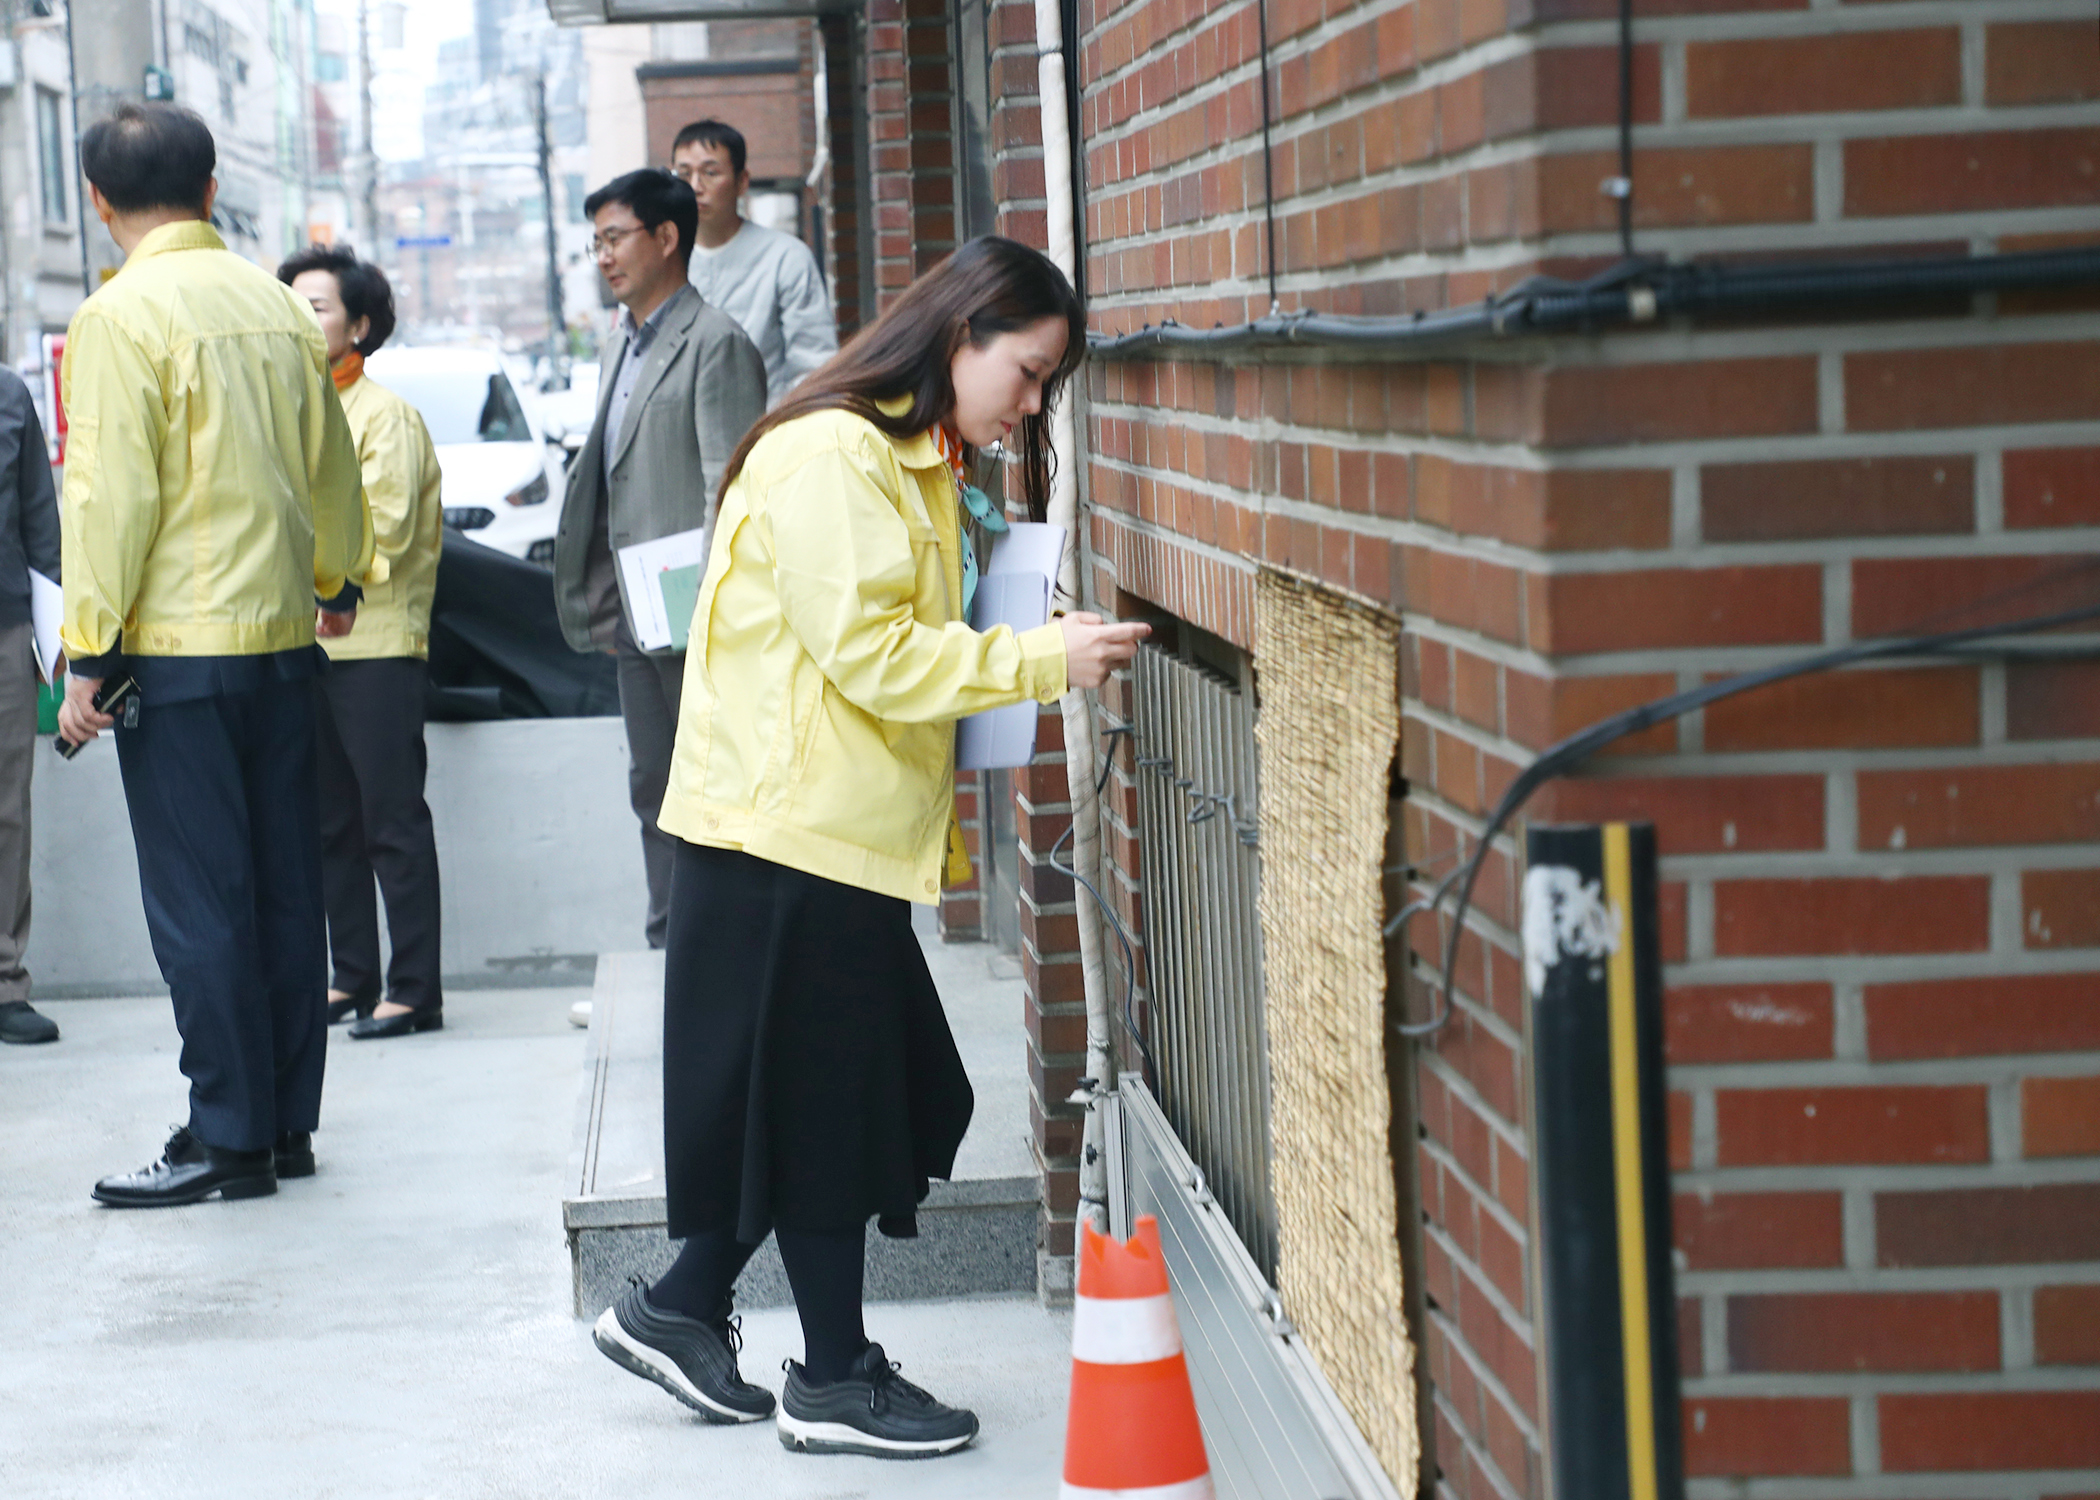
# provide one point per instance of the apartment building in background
(40, 237)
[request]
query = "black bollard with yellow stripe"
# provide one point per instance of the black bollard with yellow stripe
(1593, 963)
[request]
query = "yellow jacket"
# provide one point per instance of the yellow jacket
(211, 481)
(829, 661)
(408, 524)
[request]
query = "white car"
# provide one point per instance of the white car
(502, 484)
(566, 416)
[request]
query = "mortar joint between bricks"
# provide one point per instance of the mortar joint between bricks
(2016, 1327)
(1866, 1434)
(2006, 1123)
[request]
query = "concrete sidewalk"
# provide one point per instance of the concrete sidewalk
(397, 1325)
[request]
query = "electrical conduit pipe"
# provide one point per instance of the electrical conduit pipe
(1078, 712)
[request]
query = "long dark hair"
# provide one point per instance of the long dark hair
(988, 287)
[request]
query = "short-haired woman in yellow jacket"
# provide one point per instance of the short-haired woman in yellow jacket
(810, 1079)
(369, 705)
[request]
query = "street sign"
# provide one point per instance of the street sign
(422, 241)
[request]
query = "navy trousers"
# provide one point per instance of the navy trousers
(225, 812)
(374, 821)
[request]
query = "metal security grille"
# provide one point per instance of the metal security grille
(1201, 879)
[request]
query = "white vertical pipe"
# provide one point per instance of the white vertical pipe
(1078, 715)
(821, 157)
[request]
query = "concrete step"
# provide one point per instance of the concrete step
(976, 1234)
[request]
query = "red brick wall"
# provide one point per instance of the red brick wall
(1881, 903)
(929, 43)
(1881, 900)
(771, 109)
(889, 146)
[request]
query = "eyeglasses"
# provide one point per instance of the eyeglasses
(610, 240)
(709, 173)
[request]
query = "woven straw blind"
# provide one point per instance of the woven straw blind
(1330, 721)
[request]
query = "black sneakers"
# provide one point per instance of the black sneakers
(873, 1411)
(692, 1360)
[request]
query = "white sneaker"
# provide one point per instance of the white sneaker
(580, 1013)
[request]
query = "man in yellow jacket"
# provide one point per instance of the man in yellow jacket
(211, 499)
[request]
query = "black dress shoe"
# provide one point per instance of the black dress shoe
(21, 1025)
(294, 1154)
(188, 1172)
(422, 1018)
(360, 1004)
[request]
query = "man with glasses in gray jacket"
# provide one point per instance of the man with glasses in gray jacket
(28, 539)
(681, 384)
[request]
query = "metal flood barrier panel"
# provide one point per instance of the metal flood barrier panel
(1201, 882)
(1272, 1424)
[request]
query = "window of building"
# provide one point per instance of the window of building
(51, 153)
(331, 67)
(678, 41)
(978, 211)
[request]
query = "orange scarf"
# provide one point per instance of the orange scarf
(950, 448)
(348, 370)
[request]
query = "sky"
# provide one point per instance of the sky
(399, 75)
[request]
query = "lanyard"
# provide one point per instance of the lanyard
(976, 505)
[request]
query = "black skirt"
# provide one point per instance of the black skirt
(810, 1078)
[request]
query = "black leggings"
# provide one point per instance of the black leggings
(824, 1270)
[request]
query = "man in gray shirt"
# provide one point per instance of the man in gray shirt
(28, 539)
(768, 281)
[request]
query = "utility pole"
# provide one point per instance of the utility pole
(368, 167)
(87, 280)
(557, 326)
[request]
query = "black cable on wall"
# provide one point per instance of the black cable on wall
(1629, 294)
(1570, 754)
(1268, 154)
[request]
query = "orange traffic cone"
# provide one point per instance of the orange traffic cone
(1132, 1430)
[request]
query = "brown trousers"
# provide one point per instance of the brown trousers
(17, 756)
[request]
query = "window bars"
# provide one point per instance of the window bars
(1201, 883)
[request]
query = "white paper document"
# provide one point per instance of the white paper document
(1015, 592)
(642, 567)
(47, 609)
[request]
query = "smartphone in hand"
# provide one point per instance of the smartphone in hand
(119, 698)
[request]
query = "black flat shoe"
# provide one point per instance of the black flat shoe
(424, 1018)
(21, 1025)
(189, 1171)
(294, 1154)
(360, 1005)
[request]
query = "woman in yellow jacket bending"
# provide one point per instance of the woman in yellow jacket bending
(370, 703)
(810, 1079)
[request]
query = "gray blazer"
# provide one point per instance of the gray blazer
(702, 385)
(28, 502)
